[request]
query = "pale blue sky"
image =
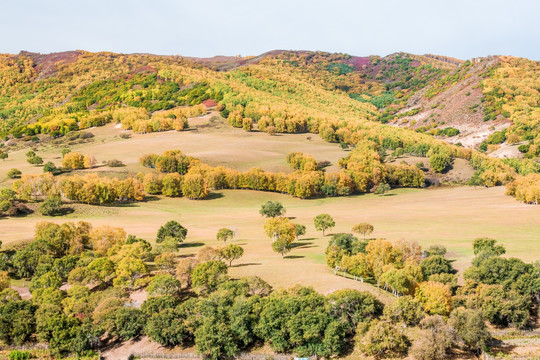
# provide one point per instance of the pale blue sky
(458, 28)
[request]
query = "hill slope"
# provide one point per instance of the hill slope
(343, 98)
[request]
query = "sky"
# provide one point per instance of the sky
(459, 28)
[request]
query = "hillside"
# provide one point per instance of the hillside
(402, 103)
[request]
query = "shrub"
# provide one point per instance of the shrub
(19, 355)
(51, 206)
(383, 340)
(439, 162)
(50, 167)
(14, 173)
(114, 163)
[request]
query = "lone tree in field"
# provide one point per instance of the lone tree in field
(300, 230)
(172, 229)
(231, 252)
(224, 234)
(323, 222)
(363, 228)
(272, 209)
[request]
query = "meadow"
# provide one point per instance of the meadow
(449, 216)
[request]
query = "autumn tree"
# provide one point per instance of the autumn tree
(73, 160)
(194, 186)
(102, 238)
(435, 297)
(363, 228)
(323, 222)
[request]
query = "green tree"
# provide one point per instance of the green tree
(487, 245)
(14, 173)
(440, 162)
(281, 246)
(231, 252)
(172, 229)
(35, 160)
(436, 264)
(405, 309)
(382, 189)
(163, 284)
(224, 234)
(272, 209)
(50, 167)
(300, 230)
(206, 276)
(351, 307)
(323, 222)
(128, 323)
(51, 206)
(470, 328)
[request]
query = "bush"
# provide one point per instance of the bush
(439, 162)
(35, 160)
(19, 355)
(383, 340)
(114, 163)
(50, 167)
(14, 173)
(51, 206)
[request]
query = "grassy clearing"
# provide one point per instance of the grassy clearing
(216, 145)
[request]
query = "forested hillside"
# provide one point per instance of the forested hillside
(377, 105)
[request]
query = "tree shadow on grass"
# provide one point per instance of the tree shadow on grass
(213, 196)
(123, 205)
(307, 239)
(291, 217)
(245, 264)
(191, 244)
(149, 198)
(63, 211)
(294, 257)
(302, 245)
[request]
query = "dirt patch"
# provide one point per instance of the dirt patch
(24, 292)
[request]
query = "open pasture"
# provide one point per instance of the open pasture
(453, 217)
